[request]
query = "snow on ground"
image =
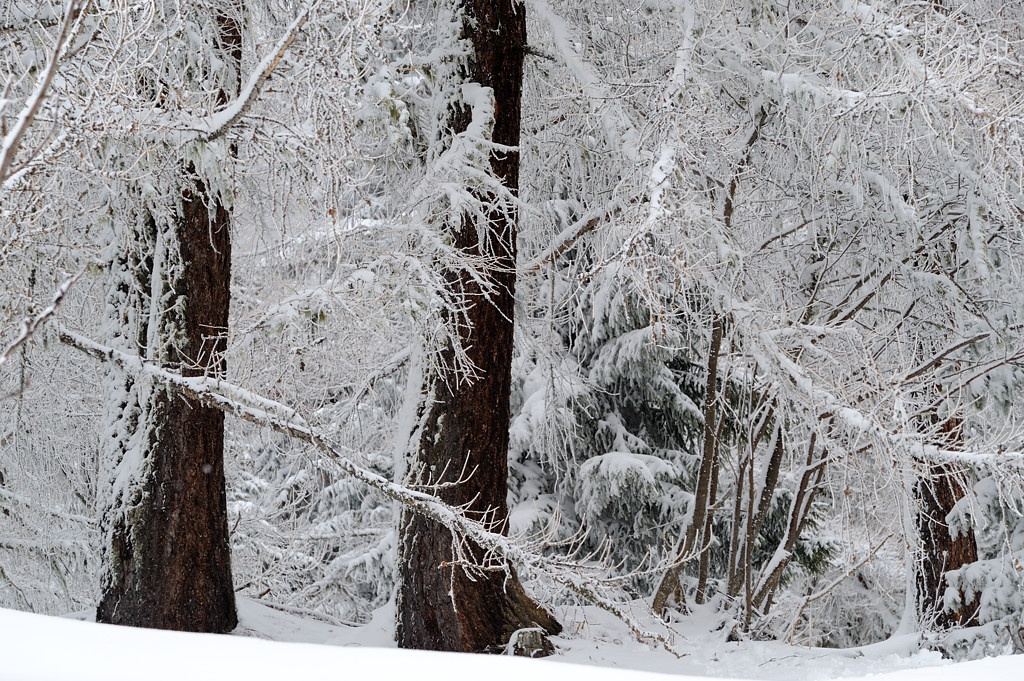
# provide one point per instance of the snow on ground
(594, 648)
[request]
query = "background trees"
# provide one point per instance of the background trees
(785, 207)
(766, 299)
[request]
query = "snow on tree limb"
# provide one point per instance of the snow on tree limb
(30, 324)
(12, 141)
(571, 234)
(215, 125)
(261, 411)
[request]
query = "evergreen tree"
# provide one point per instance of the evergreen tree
(166, 555)
(451, 596)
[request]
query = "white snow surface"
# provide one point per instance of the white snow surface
(596, 648)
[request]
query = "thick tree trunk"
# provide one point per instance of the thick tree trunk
(449, 598)
(943, 548)
(938, 492)
(167, 555)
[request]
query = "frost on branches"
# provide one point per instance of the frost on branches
(827, 273)
(761, 260)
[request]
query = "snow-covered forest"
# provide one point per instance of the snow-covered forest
(465, 317)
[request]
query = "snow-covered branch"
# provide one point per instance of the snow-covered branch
(246, 405)
(571, 234)
(30, 324)
(12, 140)
(215, 125)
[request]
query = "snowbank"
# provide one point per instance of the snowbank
(40, 648)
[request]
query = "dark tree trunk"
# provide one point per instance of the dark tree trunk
(449, 599)
(167, 554)
(937, 493)
(171, 548)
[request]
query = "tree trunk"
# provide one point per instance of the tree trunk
(670, 590)
(942, 548)
(449, 597)
(167, 559)
(166, 553)
(937, 493)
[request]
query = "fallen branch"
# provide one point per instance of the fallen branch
(251, 407)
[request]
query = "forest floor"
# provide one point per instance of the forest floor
(273, 644)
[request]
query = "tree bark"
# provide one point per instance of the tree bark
(449, 598)
(167, 555)
(938, 493)
(169, 558)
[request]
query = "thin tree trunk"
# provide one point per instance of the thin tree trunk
(670, 588)
(737, 544)
(771, 574)
(704, 563)
(449, 598)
